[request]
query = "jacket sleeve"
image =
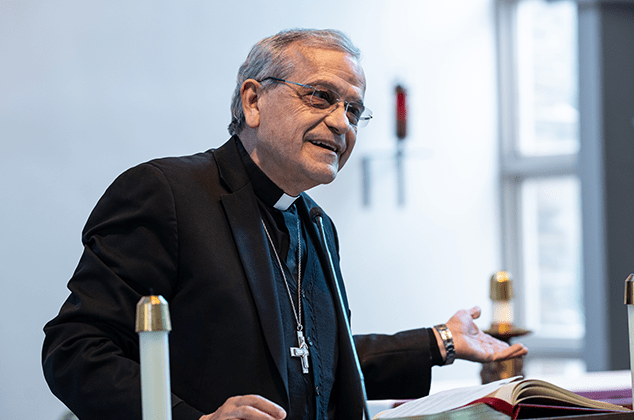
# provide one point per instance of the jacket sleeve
(90, 354)
(398, 366)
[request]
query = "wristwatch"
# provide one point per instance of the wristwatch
(447, 340)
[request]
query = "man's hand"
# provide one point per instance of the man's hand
(473, 344)
(247, 407)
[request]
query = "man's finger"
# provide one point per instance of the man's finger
(254, 406)
(265, 406)
(475, 312)
(516, 350)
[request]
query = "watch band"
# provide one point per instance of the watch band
(447, 340)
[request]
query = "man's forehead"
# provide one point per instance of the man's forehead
(326, 66)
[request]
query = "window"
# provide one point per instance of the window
(551, 236)
(539, 115)
(546, 45)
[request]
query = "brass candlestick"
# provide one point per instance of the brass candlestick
(503, 329)
(629, 302)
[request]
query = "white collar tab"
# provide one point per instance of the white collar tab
(285, 202)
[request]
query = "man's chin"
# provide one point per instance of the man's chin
(329, 174)
(323, 177)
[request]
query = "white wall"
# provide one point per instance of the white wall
(88, 89)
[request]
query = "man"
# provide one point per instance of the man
(226, 237)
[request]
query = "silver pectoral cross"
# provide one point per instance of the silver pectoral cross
(301, 351)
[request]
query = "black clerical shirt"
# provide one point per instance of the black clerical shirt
(309, 393)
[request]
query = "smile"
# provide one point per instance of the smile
(328, 146)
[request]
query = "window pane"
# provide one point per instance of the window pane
(547, 77)
(551, 231)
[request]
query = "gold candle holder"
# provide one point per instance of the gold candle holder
(502, 328)
(153, 314)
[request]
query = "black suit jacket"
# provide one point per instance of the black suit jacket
(189, 229)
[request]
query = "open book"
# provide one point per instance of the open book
(511, 398)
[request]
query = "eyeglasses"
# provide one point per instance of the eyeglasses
(328, 100)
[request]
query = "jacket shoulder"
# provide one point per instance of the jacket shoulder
(184, 165)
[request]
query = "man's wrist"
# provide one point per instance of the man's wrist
(446, 338)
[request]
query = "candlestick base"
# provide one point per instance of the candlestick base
(494, 371)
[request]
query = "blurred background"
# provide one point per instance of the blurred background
(518, 156)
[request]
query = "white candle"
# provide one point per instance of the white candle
(502, 312)
(155, 375)
(629, 301)
(153, 325)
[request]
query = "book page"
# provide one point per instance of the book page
(443, 401)
(470, 412)
(539, 392)
(507, 392)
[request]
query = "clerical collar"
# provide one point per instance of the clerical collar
(264, 188)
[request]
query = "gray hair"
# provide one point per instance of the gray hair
(267, 58)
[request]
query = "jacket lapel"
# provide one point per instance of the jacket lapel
(243, 216)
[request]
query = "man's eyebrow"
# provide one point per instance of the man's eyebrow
(323, 83)
(320, 83)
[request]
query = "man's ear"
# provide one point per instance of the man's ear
(250, 92)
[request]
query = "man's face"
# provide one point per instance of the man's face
(299, 146)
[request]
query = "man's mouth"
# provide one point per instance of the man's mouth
(328, 146)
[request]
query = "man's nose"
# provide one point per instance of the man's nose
(337, 119)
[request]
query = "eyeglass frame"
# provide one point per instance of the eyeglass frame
(364, 116)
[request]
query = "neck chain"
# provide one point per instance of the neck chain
(301, 351)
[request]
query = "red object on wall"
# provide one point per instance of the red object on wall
(401, 112)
